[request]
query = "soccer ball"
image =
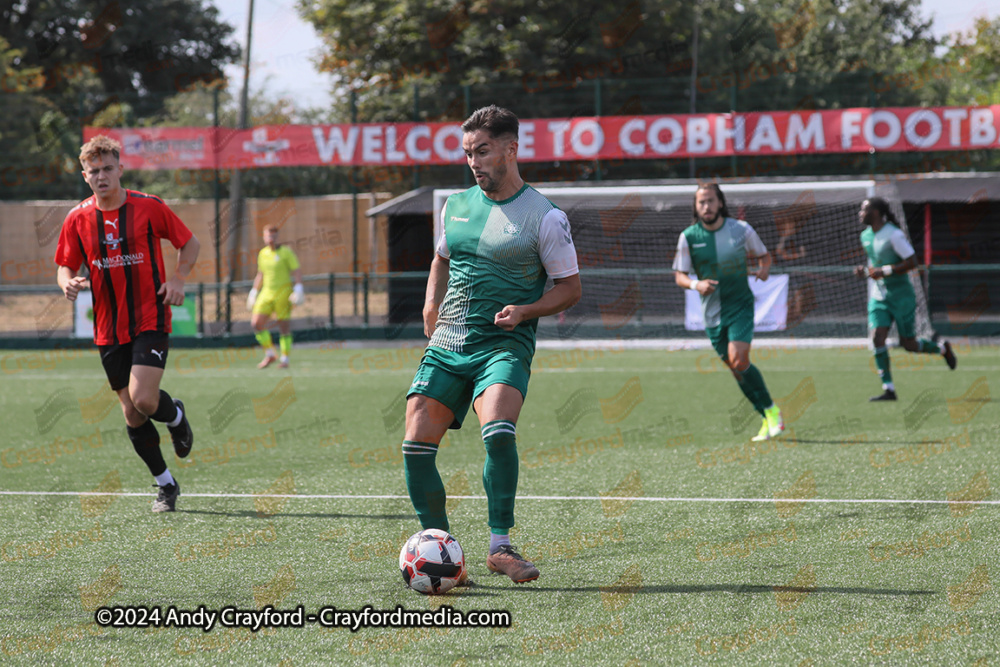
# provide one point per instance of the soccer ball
(431, 562)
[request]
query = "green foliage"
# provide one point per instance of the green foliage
(769, 54)
(93, 62)
(973, 62)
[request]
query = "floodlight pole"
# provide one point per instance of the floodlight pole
(236, 203)
(694, 75)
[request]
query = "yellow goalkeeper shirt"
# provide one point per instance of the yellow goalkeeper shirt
(276, 267)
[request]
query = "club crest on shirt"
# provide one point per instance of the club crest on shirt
(511, 228)
(111, 240)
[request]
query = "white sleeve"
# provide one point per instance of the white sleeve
(682, 260)
(755, 247)
(555, 246)
(442, 242)
(901, 245)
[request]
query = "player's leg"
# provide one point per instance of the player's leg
(905, 316)
(882, 323)
(284, 340)
(438, 399)
(719, 337)
(500, 390)
(259, 319)
(752, 383)
(149, 359)
(117, 362)
(427, 420)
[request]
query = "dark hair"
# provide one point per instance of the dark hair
(723, 210)
(882, 206)
(495, 120)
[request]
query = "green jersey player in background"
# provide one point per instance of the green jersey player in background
(716, 248)
(499, 242)
(890, 293)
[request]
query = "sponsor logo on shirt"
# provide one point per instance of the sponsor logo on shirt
(455, 217)
(120, 260)
(699, 245)
(113, 223)
(111, 240)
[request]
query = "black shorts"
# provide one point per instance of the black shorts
(149, 348)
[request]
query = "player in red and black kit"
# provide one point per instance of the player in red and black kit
(117, 234)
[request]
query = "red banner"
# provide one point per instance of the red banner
(549, 139)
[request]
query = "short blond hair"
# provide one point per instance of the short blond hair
(98, 146)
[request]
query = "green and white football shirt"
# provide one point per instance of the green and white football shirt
(500, 253)
(888, 246)
(720, 255)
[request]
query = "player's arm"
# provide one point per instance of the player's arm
(558, 256)
(258, 281)
(700, 286)
(68, 256)
(173, 289)
(70, 283)
(437, 281)
(763, 266)
(682, 267)
(298, 296)
(902, 247)
(437, 285)
(758, 251)
(565, 293)
(908, 264)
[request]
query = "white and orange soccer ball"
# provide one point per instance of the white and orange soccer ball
(432, 562)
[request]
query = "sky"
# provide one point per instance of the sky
(284, 46)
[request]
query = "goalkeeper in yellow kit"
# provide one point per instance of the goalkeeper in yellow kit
(273, 294)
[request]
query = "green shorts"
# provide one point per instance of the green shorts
(456, 379)
(739, 328)
(902, 311)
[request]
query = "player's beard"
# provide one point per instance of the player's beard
(714, 219)
(491, 182)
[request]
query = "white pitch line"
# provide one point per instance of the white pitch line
(889, 501)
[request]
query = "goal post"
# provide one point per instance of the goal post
(626, 237)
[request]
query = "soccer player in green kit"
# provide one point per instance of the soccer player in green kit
(716, 248)
(890, 293)
(499, 242)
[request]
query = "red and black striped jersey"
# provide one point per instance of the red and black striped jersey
(122, 251)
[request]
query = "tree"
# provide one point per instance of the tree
(78, 61)
(144, 50)
(33, 132)
(408, 60)
(972, 63)
(549, 53)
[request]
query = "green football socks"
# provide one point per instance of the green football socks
(928, 346)
(500, 474)
(424, 483)
(752, 384)
(882, 364)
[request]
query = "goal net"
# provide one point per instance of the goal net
(626, 238)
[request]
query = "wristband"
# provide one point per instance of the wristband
(887, 270)
(694, 285)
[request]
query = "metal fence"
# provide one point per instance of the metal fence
(40, 317)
